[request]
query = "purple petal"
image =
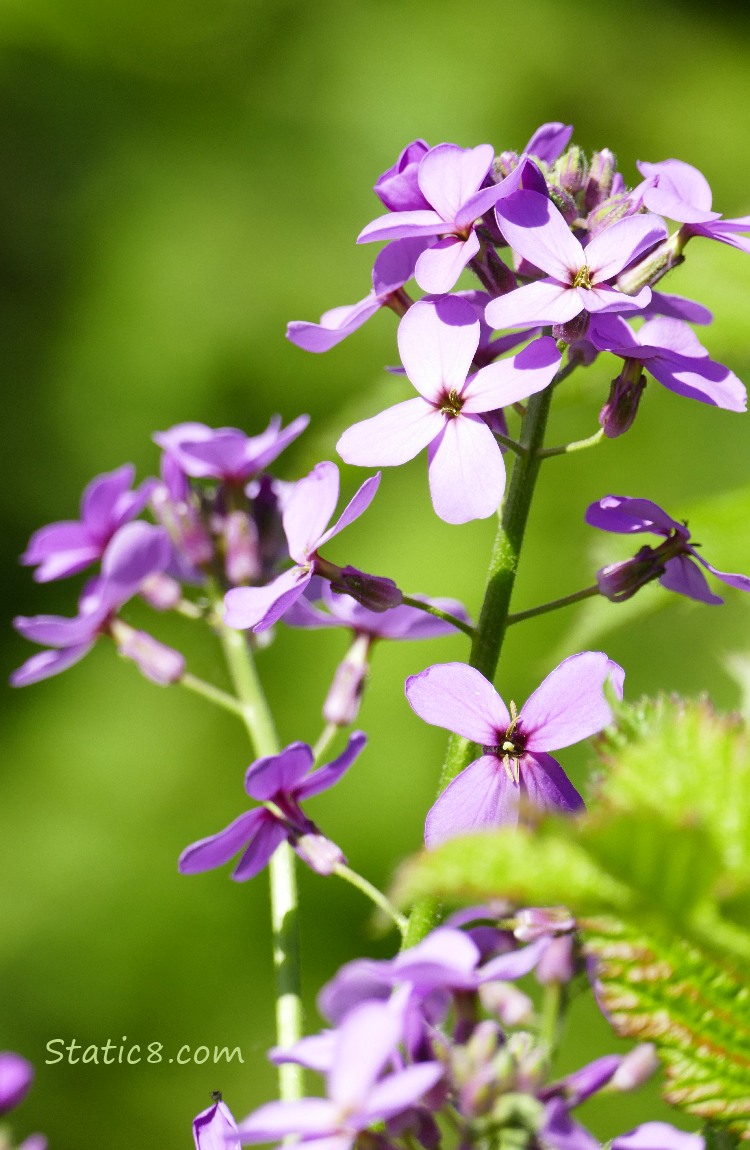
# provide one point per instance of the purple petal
(327, 776)
(307, 1116)
(220, 848)
(16, 1076)
(271, 833)
(445, 958)
(393, 437)
(508, 380)
(560, 1132)
(582, 1083)
(604, 299)
(481, 796)
(622, 243)
(545, 785)
(278, 774)
(397, 187)
(335, 325)
(440, 265)
(515, 964)
(466, 471)
(362, 980)
(677, 307)
(356, 506)
(367, 1038)
(697, 376)
(658, 1136)
(309, 509)
(61, 549)
(400, 1091)
(437, 341)
(314, 1052)
(100, 498)
(261, 607)
(56, 631)
(45, 664)
(411, 623)
(741, 582)
(134, 552)
(682, 575)
(215, 1129)
(263, 449)
(394, 266)
(549, 141)
(458, 698)
(546, 301)
(535, 229)
(570, 704)
(449, 175)
(402, 225)
(626, 516)
(677, 190)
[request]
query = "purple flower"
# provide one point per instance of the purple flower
(16, 1076)
(398, 187)
(549, 141)
(450, 179)
(567, 707)
(307, 511)
(358, 1095)
(282, 781)
(658, 1136)
(67, 547)
(215, 1129)
(137, 551)
(437, 340)
(393, 268)
(578, 278)
(402, 622)
(678, 190)
(227, 453)
(674, 563)
(670, 351)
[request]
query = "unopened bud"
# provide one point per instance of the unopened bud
(636, 1068)
(160, 591)
(653, 265)
(161, 664)
(572, 331)
(342, 702)
(557, 963)
(621, 408)
(534, 921)
(183, 524)
(571, 170)
(503, 165)
(620, 581)
(507, 1002)
(601, 176)
(320, 854)
(564, 203)
(615, 207)
(241, 559)
(372, 591)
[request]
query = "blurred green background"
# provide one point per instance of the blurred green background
(179, 180)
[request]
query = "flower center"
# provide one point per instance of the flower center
(583, 278)
(511, 745)
(451, 404)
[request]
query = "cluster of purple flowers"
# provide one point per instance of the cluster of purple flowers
(442, 1033)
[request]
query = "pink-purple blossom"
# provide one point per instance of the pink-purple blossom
(16, 1076)
(438, 340)
(281, 782)
(226, 453)
(679, 191)
(674, 563)
(215, 1128)
(515, 766)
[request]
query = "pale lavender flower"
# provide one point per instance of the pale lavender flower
(226, 453)
(682, 193)
(450, 179)
(358, 1095)
(393, 268)
(578, 278)
(437, 341)
(674, 563)
(658, 1136)
(514, 766)
(307, 511)
(283, 781)
(136, 552)
(216, 1129)
(16, 1076)
(64, 548)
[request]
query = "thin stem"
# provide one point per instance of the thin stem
(283, 880)
(551, 1020)
(461, 624)
(575, 445)
(189, 610)
(326, 738)
(511, 444)
(213, 694)
(553, 605)
(375, 895)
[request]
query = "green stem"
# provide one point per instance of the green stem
(511, 444)
(283, 880)
(553, 605)
(553, 1010)
(575, 445)
(461, 624)
(493, 619)
(373, 894)
(213, 694)
(327, 736)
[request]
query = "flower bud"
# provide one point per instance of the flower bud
(161, 664)
(572, 331)
(16, 1075)
(600, 178)
(342, 701)
(621, 408)
(398, 187)
(564, 202)
(571, 170)
(160, 591)
(557, 964)
(653, 265)
(636, 1068)
(503, 165)
(320, 854)
(372, 591)
(215, 1128)
(507, 1002)
(183, 524)
(609, 211)
(535, 921)
(241, 559)
(620, 581)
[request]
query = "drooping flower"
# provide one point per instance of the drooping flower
(359, 1096)
(674, 563)
(437, 341)
(282, 782)
(393, 268)
(515, 764)
(215, 1128)
(450, 179)
(64, 548)
(307, 511)
(578, 278)
(136, 552)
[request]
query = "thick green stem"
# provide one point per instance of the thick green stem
(493, 619)
(284, 909)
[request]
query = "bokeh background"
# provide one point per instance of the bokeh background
(179, 180)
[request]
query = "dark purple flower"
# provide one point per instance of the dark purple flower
(567, 707)
(137, 551)
(674, 563)
(578, 278)
(215, 1129)
(307, 511)
(450, 179)
(393, 268)
(226, 453)
(282, 781)
(358, 1095)
(437, 340)
(67, 547)
(16, 1076)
